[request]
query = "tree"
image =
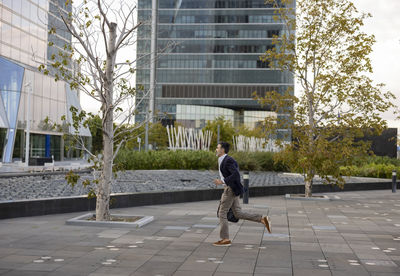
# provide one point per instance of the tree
(102, 31)
(257, 131)
(158, 137)
(94, 124)
(226, 131)
(323, 46)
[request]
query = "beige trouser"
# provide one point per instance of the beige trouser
(229, 200)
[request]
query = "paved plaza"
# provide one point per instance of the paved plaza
(355, 233)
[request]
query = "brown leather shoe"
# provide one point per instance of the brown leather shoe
(222, 243)
(267, 222)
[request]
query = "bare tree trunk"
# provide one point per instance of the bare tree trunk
(310, 173)
(104, 186)
(308, 187)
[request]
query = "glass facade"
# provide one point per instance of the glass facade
(196, 116)
(24, 40)
(24, 31)
(11, 76)
(208, 59)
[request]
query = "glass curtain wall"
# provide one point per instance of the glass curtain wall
(24, 38)
(208, 55)
(11, 76)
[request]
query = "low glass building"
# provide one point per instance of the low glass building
(24, 40)
(208, 59)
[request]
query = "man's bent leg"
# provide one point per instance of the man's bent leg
(237, 211)
(226, 203)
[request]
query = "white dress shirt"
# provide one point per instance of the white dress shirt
(220, 159)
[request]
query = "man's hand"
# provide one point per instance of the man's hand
(218, 182)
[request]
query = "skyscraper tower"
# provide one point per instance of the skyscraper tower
(208, 61)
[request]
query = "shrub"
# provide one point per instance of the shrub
(246, 161)
(172, 160)
(380, 167)
(193, 160)
(382, 170)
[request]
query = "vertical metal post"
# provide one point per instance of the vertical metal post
(153, 55)
(394, 175)
(246, 187)
(218, 134)
(62, 148)
(28, 124)
(146, 134)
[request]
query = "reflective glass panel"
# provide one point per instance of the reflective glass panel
(10, 86)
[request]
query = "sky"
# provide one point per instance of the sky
(385, 25)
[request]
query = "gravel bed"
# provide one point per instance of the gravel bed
(47, 186)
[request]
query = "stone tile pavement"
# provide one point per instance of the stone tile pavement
(356, 233)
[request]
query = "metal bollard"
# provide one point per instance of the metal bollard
(394, 184)
(246, 187)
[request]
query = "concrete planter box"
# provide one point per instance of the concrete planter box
(302, 197)
(82, 221)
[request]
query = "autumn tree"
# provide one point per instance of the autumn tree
(256, 131)
(100, 62)
(226, 131)
(158, 137)
(322, 44)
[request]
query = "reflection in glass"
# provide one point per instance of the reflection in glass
(196, 116)
(10, 87)
(34, 14)
(6, 32)
(16, 6)
(26, 8)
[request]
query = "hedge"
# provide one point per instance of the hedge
(370, 170)
(380, 167)
(193, 160)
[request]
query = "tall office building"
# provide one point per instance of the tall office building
(208, 61)
(24, 41)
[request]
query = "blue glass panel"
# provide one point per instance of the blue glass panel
(47, 146)
(11, 76)
(8, 150)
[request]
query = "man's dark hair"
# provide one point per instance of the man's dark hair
(225, 146)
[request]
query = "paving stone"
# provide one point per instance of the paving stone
(74, 269)
(352, 273)
(192, 273)
(263, 270)
(306, 246)
(308, 272)
(231, 273)
(46, 266)
(19, 259)
(3, 270)
(335, 248)
(200, 264)
(25, 273)
(237, 265)
(157, 268)
(115, 270)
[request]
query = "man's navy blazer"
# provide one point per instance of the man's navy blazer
(230, 171)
